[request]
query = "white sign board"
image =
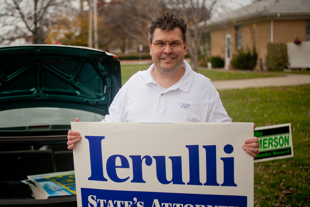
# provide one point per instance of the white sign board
(298, 55)
(163, 165)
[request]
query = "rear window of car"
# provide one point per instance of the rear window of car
(44, 118)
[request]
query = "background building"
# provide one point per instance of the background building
(260, 23)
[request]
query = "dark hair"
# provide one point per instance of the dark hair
(168, 22)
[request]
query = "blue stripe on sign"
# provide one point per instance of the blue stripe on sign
(105, 198)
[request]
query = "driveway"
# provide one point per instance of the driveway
(288, 80)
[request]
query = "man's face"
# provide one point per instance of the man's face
(168, 50)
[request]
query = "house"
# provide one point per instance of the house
(260, 23)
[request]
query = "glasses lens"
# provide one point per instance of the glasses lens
(161, 45)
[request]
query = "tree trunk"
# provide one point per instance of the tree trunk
(194, 59)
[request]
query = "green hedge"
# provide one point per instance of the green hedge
(217, 62)
(245, 60)
(277, 58)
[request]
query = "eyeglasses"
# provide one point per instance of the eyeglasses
(172, 45)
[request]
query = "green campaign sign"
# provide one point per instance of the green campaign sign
(275, 142)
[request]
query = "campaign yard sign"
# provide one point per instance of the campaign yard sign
(163, 165)
(275, 142)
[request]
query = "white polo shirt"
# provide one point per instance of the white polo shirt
(192, 99)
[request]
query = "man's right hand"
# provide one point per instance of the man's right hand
(73, 137)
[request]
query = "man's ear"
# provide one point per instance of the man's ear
(185, 47)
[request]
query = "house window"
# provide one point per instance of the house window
(308, 30)
(238, 37)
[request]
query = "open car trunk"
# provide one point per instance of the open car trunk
(42, 89)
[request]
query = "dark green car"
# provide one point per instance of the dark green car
(43, 88)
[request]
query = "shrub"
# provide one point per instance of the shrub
(245, 60)
(277, 58)
(217, 62)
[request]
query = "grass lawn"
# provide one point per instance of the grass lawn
(233, 75)
(129, 70)
(283, 182)
(305, 72)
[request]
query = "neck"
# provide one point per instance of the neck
(168, 79)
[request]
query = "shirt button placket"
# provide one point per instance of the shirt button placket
(161, 102)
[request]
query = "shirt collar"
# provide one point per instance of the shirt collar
(183, 84)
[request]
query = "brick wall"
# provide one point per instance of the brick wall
(284, 31)
(288, 30)
(218, 42)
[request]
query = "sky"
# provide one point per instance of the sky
(229, 5)
(235, 4)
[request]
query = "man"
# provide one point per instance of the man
(169, 91)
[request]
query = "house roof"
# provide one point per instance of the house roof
(262, 10)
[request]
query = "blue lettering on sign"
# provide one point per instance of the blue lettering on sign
(137, 161)
(96, 158)
(109, 198)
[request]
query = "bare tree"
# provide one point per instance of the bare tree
(129, 19)
(28, 19)
(195, 13)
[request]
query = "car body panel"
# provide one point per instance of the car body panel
(43, 88)
(58, 76)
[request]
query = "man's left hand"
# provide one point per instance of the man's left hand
(251, 146)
